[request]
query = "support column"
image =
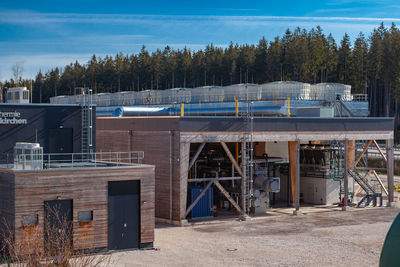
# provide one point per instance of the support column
(346, 176)
(292, 172)
(351, 150)
(390, 170)
(297, 179)
(244, 178)
(184, 170)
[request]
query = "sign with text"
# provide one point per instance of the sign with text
(11, 117)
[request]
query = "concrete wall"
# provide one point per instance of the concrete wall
(319, 191)
(277, 149)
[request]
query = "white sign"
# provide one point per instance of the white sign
(11, 117)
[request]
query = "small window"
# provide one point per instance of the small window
(16, 95)
(9, 96)
(27, 154)
(26, 95)
(85, 216)
(29, 220)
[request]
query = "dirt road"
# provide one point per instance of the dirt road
(336, 238)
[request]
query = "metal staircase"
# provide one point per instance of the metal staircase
(371, 194)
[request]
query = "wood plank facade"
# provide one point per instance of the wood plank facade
(24, 192)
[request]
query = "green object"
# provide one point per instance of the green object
(391, 247)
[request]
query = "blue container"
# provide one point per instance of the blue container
(204, 207)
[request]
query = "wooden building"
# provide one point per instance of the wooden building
(173, 144)
(109, 207)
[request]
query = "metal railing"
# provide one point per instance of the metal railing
(72, 160)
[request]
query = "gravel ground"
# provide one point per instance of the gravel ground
(333, 238)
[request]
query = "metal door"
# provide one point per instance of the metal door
(123, 214)
(61, 140)
(58, 225)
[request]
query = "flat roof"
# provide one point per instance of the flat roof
(37, 104)
(240, 124)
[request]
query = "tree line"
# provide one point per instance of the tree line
(370, 65)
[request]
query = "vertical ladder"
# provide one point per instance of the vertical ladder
(248, 153)
(86, 123)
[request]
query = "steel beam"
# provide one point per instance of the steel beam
(215, 137)
(297, 171)
(244, 178)
(232, 158)
(379, 150)
(346, 175)
(209, 179)
(230, 199)
(199, 197)
(380, 182)
(193, 160)
(390, 169)
(362, 153)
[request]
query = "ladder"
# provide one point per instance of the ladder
(248, 153)
(86, 123)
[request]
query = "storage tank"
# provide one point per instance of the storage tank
(329, 91)
(207, 94)
(149, 97)
(175, 96)
(103, 99)
(62, 99)
(294, 90)
(239, 92)
(124, 98)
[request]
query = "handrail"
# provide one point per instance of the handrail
(72, 160)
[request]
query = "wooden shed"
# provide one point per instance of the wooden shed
(108, 207)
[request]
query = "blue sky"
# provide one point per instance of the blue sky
(46, 34)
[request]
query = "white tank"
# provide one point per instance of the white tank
(239, 92)
(329, 91)
(294, 90)
(206, 94)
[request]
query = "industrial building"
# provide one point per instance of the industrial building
(107, 201)
(251, 164)
(48, 162)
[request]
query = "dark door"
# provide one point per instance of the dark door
(123, 214)
(61, 140)
(58, 225)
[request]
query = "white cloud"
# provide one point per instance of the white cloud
(29, 18)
